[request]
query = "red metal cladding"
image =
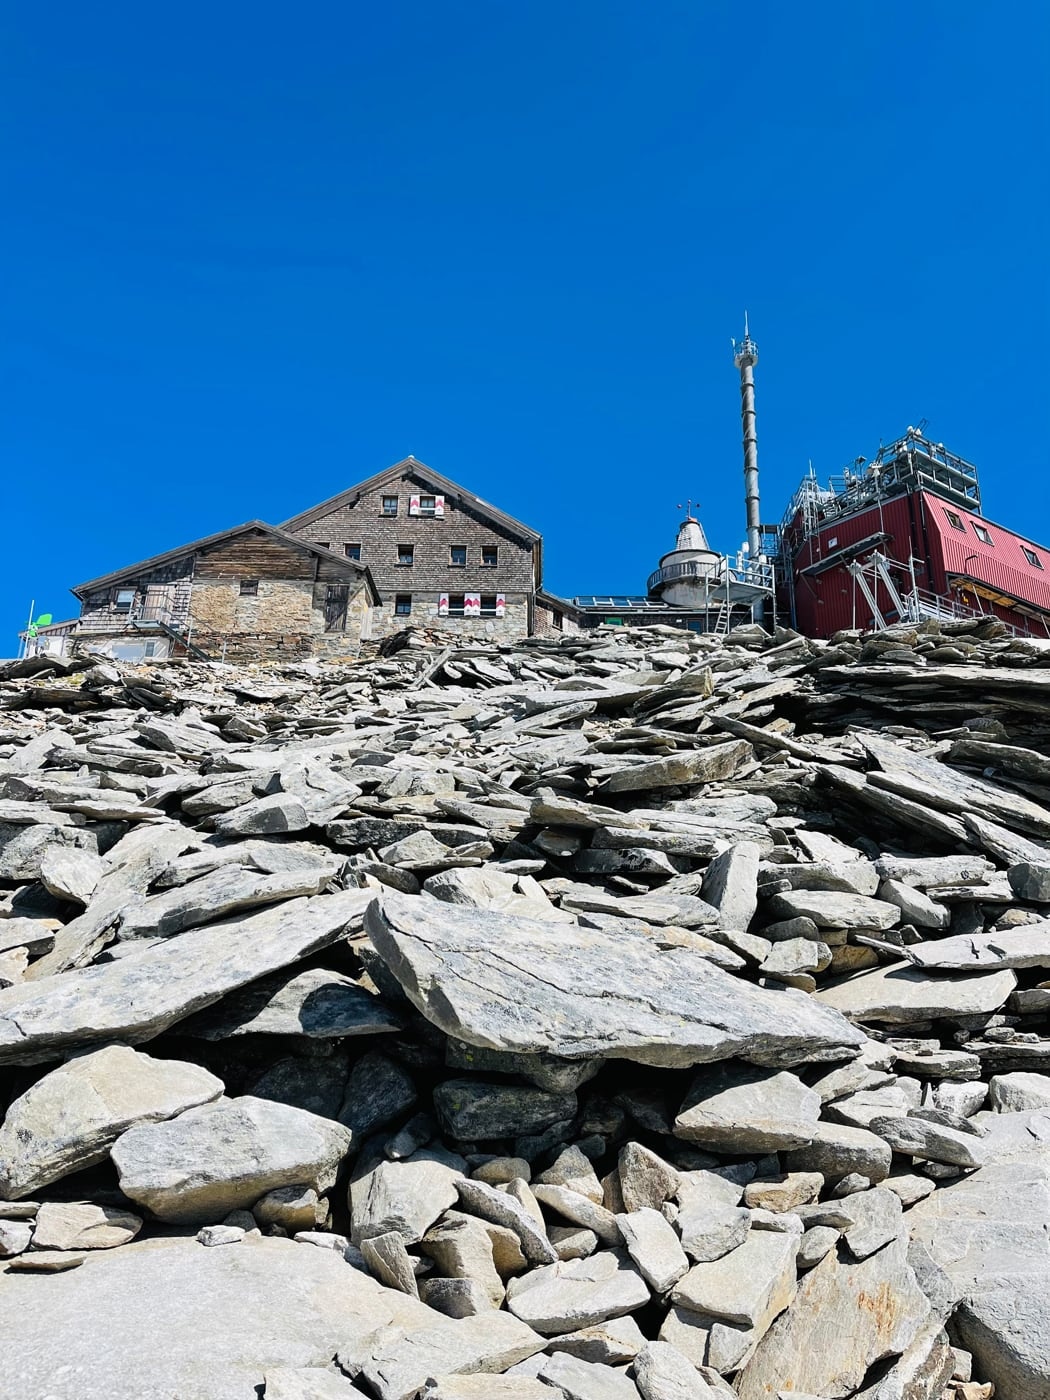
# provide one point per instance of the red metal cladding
(946, 544)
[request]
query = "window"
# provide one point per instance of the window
(558, 621)
(1032, 557)
(489, 556)
(335, 604)
(249, 587)
(352, 551)
(402, 604)
(455, 604)
(954, 520)
(457, 556)
(427, 505)
(123, 599)
(389, 506)
(488, 605)
(981, 533)
(406, 554)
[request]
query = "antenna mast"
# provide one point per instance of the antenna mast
(745, 358)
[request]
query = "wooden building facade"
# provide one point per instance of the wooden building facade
(247, 594)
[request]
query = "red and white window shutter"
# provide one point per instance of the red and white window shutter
(501, 605)
(413, 505)
(472, 605)
(443, 605)
(439, 505)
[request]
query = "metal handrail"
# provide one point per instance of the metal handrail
(756, 575)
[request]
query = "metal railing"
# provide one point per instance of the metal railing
(758, 576)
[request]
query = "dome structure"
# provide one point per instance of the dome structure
(687, 572)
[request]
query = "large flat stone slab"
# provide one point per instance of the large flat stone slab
(1026, 946)
(525, 986)
(845, 1317)
(136, 998)
(901, 993)
(165, 1318)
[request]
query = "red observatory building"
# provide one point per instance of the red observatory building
(902, 538)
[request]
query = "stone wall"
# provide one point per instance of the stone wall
(431, 572)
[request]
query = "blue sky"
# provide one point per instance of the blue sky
(255, 253)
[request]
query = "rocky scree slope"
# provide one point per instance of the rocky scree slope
(636, 1014)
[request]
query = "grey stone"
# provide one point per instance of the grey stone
(794, 957)
(501, 1208)
(211, 1160)
(399, 1365)
(307, 1383)
(83, 1225)
(389, 1260)
(661, 1372)
(228, 890)
(265, 816)
(314, 1082)
(845, 1317)
(535, 987)
(573, 1169)
(505, 1387)
(268, 1303)
(731, 885)
(835, 909)
(1018, 1092)
(685, 769)
(315, 1003)
(815, 1243)
(785, 1193)
(564, 1297)
(455, 1297)
(1026, 946)
(1031, 881)
(71, 872)
(71, 1117)
(739, 1108)
(15, 1236)
(213, 1236)
(581, 1210)
(931, 1141)
(645, 1179)
(613, 1343)
(875, 1218)
(837, 1151)
(917, 908)
(585, 1380)
(462, 1247)
(739, 1287)
(406, 1196)
(653, 1245)
(379, 1091)
(902, 993)
(294, 1208)
(470, 1109)
(137, 998)
(710, 1231)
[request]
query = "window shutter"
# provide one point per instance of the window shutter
(443, 605)
(472, 605)
(501, 605)
(439, 505)
(413, 505)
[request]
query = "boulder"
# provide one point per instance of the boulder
(83, 1225)
(71, 1117)
(902, 993)
(738, 1108)
(845, 1317)
(198, 1167)
(523, 985)
(136, 998)
(564, 1297)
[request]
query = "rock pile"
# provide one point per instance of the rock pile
(628, 1015)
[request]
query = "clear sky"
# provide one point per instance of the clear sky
(254, 253)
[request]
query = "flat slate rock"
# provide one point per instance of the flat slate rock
(136, 998)
(180, 1320)
(1025, 946)
(902, 993)
(316, 1003)
(525, 986)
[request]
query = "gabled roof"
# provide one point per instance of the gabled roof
(350, 566)
(440, 485)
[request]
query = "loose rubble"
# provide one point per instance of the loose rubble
(633, 1014)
